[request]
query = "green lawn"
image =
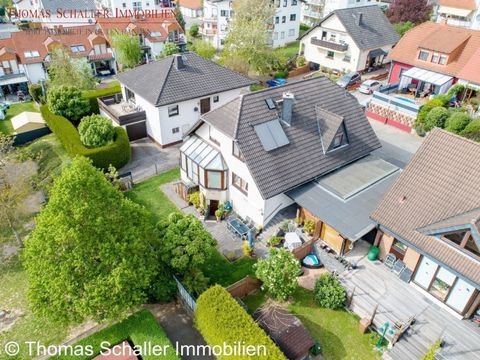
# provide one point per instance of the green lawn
(15, 109)
(336, 330)
(140, 328)
(288, 51)
(148, 194)
(255, 300)
(218, 269)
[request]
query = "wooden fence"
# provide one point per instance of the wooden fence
(303, 250)
(244, 287)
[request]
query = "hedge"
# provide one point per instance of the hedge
(141, 328)
(92, 95)
(221, 320)
(117, 153)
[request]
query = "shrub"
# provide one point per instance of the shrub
(425, 109)
(432, 351)
(457, 122)
(36, 92)
(437, 117)
(281, 75)
(278, 272)
(309, 226)
(194, 199)
(274, 240)
(67, 101)
(92, 95)
(329, 293)
(300, 61)
(163, 287)
(472, 130)
(420, 130)
(193, 31)
(222, 321)
(96, 131)
(117, 153)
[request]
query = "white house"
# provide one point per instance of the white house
(315, 10)
(258, 148)
(351, 39)
(164, 98)
(217, 15)
(121, 8)
(191, 8)
(461, 13)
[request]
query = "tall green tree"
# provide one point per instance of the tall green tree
(204, 49)
(127, 49)
(185, 245)
(90, 255)
(66, 69)
(278, 272)
(247, 42)
(68, 102)
(179, 16)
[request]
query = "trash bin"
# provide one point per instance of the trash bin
(373, 253)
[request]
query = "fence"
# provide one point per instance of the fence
(244, 287)
(186, 299)
(303, 250)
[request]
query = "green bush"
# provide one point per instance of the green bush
(117, 153)
(329, 292)
(67, 101)
(472, 130)
(96, 131)
(457, 122)
(221, 320)
(432, 351)
(437, 117)
(274, 240)
(309, 226)
(281, 75)
(163, 287)
(194, 199)
(193, 31)
(36, 92)
(435, 102)
(420, 130)
(92, 95)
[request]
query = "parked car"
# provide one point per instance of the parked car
(4, 106)
(349, 79)
(276, 82)
(369, 86)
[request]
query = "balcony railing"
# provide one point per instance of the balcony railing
(208, 32)
(120, 111)
(341, 47)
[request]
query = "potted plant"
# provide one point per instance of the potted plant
(309, 226)
(219, 214)
(274, 241)
(247, 250)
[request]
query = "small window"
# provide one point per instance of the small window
(400, 247)
(282, 35)
(239, 183)
(294, 2)
(293, 17)
(124, 5)
(277, 20)
(291, 32)
(175, 130)
(278, 3)
(77, 48)
(216, 99)
(284, 19)
(443, 60)
(173, 110)
(236, 151)
(223, 13)
(285, 3)
(435, 58)
(423, 55)
(330, 54)
(337, 141)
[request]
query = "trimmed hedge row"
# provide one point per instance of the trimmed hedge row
(92, 96)
(117, 153)
(221, 320)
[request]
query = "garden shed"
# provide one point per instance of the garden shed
(28, 126)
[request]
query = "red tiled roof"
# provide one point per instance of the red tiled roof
(459, 43)
(471, 70)
(461, 4)
(440, 182)
(191, 4)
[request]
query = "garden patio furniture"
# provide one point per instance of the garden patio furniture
(390, 260)
(237, 226)
(398, 267)
(292, 241)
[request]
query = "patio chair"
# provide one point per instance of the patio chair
(406, 275)
(398, 267)
(390, 260)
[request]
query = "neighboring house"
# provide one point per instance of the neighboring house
(217, 14)
(122, 8)
(153, 32)
(461, 13)
(256, 150)
(163, 99)
(315, 10)
(191, 8)
(432, 57)
(351, 39)
(53, 13)
(430, 219)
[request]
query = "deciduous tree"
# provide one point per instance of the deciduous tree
(68, 102)
(66, 69)
(278, 272)
(204, 49)
(90, 255)
(127, 49)
(96, 130)
(416, 11)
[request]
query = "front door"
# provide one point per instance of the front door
(204, 105)
(213, 207)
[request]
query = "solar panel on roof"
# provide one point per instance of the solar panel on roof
(271, 135)
(270, 103)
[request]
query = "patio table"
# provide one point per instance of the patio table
(238, 227)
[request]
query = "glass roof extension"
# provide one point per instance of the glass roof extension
(205, 155)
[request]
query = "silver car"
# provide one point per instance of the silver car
(369, 86)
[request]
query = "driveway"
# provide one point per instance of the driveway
(149, 159)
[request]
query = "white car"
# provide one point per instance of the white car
(369, 86)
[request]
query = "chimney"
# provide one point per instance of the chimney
(179, 61)
(359, 18)
(288, 100)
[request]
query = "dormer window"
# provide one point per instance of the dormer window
(31, 54)
(338, 140)
(77, 48)
(464, 240)
(435, 58)
(423, 55)
(442, 60)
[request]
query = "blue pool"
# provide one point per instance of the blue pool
(406, 99)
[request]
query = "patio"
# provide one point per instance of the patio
(375, 286)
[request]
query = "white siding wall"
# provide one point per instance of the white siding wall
(288, 26)
(35, 72)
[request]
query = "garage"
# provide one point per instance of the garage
(137, 131)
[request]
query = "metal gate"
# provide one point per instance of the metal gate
(187, 300)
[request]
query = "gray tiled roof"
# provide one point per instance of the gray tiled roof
(161, 83)
(440, 182)
(303, 159)
(374, 30)
(329, 123)
(53, 5)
